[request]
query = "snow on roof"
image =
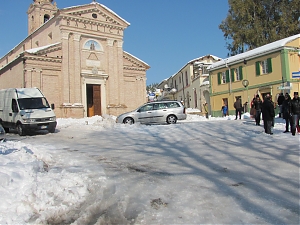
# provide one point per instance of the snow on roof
(136, 58)
(96, 3)
(35, 50)
(201, 58)
(271, 47)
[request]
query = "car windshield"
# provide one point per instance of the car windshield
(33, 103)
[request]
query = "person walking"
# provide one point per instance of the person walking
(286, 105)
(257, 104)
(205, 106)
(238, 108)
(280, 100)
(295, 112)
(224, 110)
(268, 113)
(274, 105)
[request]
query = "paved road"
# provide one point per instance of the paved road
(194, 172)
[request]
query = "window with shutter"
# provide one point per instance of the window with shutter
(227, 76)
(219, 78)
(269, 65)
(257, 68)
(232, 74)
(241, 72)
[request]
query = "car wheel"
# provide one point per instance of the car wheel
(172, 119)
(128, 120)
(20, 130)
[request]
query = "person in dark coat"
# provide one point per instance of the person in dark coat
(286, 105)
(295, 112)
(257, 104)
(280, 100)
(268, 113)
(238, 108)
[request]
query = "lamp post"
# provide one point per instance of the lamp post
(182, 87)
(246, 84)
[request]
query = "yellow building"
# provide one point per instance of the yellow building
(75, 57)
(272, 68)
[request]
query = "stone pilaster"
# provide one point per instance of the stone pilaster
(77, 77)
(119, 73)
(65, 79)
(112, 86)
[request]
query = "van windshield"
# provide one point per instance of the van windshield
(33, 103)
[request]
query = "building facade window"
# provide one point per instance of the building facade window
(186, 79)
(46, 18)
(223, 80)
(263, 67)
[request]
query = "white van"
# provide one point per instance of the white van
(26, 109)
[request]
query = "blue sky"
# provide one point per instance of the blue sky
(165, 34)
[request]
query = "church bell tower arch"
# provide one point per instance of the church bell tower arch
(39, 12)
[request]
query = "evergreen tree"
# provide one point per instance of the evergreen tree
(152, 87)
(253, 23)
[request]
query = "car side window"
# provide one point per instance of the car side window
(173, 105)
(146, 108)
(162, 106)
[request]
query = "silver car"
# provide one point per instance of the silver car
(155, 112)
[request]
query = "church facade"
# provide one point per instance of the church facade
(75, 57)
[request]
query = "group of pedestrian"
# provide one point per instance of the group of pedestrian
(289, 110)
(291, 113)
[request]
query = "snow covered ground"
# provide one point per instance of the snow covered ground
(198, 171)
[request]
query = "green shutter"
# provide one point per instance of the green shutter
(227, 76)
(269, 63)
(219, 78)
(232, 75)
(241, 72)
(257, 66)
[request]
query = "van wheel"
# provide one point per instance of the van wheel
(172, 119)
(6, 129)
(20, 130)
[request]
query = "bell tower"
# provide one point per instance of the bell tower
(39, 12)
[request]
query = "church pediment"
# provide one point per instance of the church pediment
(94, 13)
(130, 62)
(49, 51)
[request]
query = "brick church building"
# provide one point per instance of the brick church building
(75, 57)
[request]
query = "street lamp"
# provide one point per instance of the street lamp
(173, 91)
(246, 84)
